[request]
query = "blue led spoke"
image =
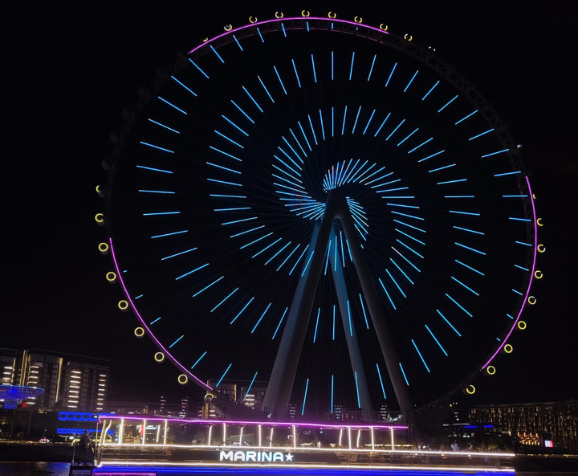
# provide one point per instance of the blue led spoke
(407, 137)
(495, 153)
(441, 168)
(225, 153)
(400, 205)
(395, 282)
(304, 136)
(430, 156)
(371, 69)
(408, 261)
(266, 90)
(401, 271)
(448, 103)
(321, 121)
(356, 118)
(157, 191)
(453, 181)
(422, 144)
(298, 143)
(235, 125)
(432, 88)
(511, 317)
(218, 55)
(298, 259)
(305, 397)
(342, 249)
(390, 74)
(509, 218)
(196, 66)
(291, 159)
(408, 247)
(331, 406)
(241, 48)
(231, 209)
(250, 386)
(393, 132)
(267, 247)
(515, 196)
(307, 24)
(170, 234)
(238, 221)
(420, 356)
(349, 249)
(157, 147)
(467, 287)
(410, 226)
(192, 271)
(312, 130)
(387, 294)
(316, 325)
(280, 321)
(521, 267)
(349, 319)
(261, 318)
(406, 215)
(351, 68)
(357, 389)
(172, 105)
(465, 213)
(403, 373)
(522, 243)
(482, 134)
(255, 241)
(410, 81)
(156, 320)
(384, 121)
(252, 98)
(223, 376)
(228, 296)
(459, 196)
(344, 117)
(178, 254)
(471, 249)
(448, 322)
(332, 66)
(216, 195)
(247, 231)
(198, 360)
(171, 346)
(508, 173)
(166, 127)
(223, 168)
(380, 381)
(276, 254)
(313, 65)
(367, 125)
(364, 313)
(281, 82)
(374, 173)
(160, 213)
(296, 74)
(189, 90)
(327, 258)
(464, 118)
(241, 311)
(517, 292)
(285, 164)
(437, 341)
(469, 267)
(333, 322)
(290, 254)
(261, 36)
(139, 296)
(153, 170)
(242, 112)
(283, 28)
(468, 230)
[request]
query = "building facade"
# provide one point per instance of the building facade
(533, 423)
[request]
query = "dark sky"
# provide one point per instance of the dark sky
(79, 77)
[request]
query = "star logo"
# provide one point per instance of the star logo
(288, 457)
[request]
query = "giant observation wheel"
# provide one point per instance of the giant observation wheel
(325, 206)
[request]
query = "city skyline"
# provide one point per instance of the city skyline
(74, 286)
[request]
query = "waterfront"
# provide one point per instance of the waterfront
(25, 468)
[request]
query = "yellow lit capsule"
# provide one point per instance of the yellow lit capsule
(534, 196)
(508, 349)
(538, 274)
(491, 370)
(383, 27)
(159, 357)
(541, 248)
(123, 305)
(470, 390)
(332, 15)
(358, 19)
(539, 222)
(139, 332)
(522, 325)
(99, 218)
(305, 13)
(111, 277)
(407, 37)
(228, 27)
(103, 248)
(278, 14)
(99, 191)
(531, 300)
(205, 39)
(182, 379)
(252, 19)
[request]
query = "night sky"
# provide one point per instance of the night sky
(79, 77)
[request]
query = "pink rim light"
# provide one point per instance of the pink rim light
(531, 276)
(157, 342)
(281, 20)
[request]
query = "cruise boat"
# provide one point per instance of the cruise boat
(149, 446)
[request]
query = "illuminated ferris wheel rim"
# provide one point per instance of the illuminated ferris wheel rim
(277, 24)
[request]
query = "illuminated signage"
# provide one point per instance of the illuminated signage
(256, 456)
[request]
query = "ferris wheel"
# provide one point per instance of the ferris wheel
(325, 206)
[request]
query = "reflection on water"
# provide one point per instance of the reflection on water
(34, 469)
